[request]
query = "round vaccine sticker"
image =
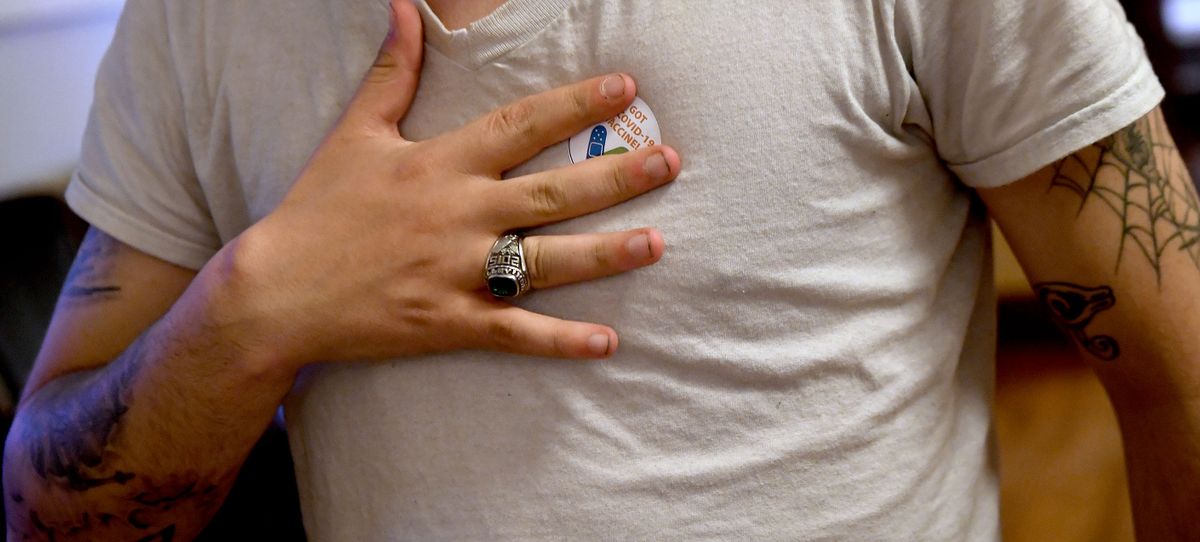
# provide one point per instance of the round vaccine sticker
(635, 128)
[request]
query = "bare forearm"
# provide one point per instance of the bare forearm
(1162, 455)
(1154, 396)
(1109, 236)
(147, 445)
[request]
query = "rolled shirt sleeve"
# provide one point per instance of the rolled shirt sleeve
(1013, 85)
(136, 179)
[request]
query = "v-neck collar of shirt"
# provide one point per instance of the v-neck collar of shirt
(508, 27)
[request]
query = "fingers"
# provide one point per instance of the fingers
(563, 259)
(516, 132)
(589, 186)
(512, 329)
(389, 85)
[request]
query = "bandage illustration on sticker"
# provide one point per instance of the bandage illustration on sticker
(633, 129)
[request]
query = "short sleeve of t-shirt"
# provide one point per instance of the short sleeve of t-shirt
(135, 179)
(1013, 85)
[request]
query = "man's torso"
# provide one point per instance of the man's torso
(811, 359)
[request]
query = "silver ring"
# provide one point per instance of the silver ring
(506, 273)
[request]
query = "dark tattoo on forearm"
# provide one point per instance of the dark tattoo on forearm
(73, 440)
(1148, 188)
(88, 291)
(90, 277)
(1073, 307)
(79, 415)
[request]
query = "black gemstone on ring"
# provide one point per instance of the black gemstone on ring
(503, 286)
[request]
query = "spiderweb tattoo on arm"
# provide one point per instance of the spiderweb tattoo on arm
(1138, 174)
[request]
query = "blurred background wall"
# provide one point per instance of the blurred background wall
(1062, 471)
(49, 50)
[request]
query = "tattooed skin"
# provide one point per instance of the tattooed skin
(1073, 307)
(70, 434)
(88, 279)
(72, 437)
(74, 441)
(1148, 189)
(68, 443)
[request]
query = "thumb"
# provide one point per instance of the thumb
(389, 85)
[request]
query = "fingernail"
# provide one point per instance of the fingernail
(656, 167)
(598, 344)
(639, 247)
(612, 87)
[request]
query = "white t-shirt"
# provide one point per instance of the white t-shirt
(813, 357)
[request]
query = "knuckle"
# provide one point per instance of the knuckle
(418, 317)
(537, 262)
(461, 324)
(561, 345)
(384, 67)
(501, 332)
(580, 103)
(600, 256)
(618, 180)
(547, 199)
(512, 120)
